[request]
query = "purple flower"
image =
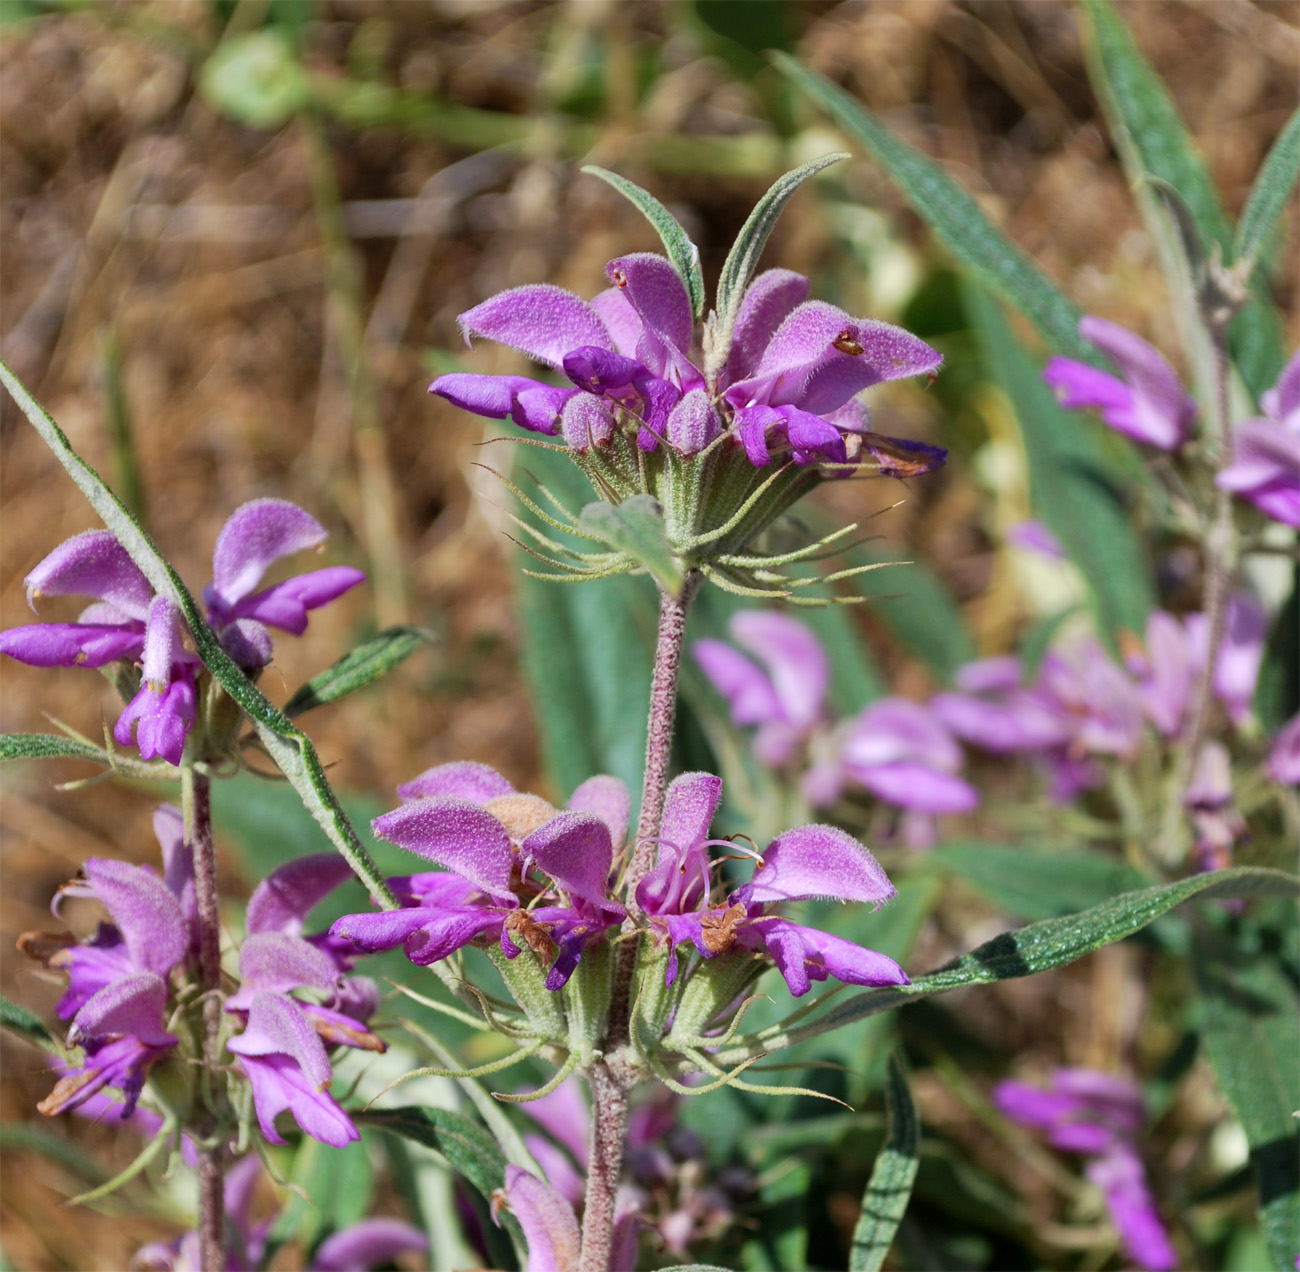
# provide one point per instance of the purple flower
(128, 623)
(1283, 762)
(993, 710)
(1148, 403)
(1084, 1111)
(901, 752)
(809, 861)
(1034, 536)
(1265, 464)
(787, 387)
(118, 994)
(282, 1050)
(547, 1219)
(502, 853)
(782, 693)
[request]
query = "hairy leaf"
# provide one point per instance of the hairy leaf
(743, 258)
(1268, 196)
(684, 255)
(465, 1144)
(954, 216)
(359, 667)
(1153, 142)
(48, 746)
(890, 1187)
(636, 526)
(1250, 1033)
(1029, 950)
(21, 1021)
(288, 746)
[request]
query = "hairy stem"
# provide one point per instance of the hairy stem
(196, 801)
(659, 734)
(609, 1091)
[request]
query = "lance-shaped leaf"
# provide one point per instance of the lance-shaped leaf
(359, 667)
(1028, 950)
(953, 215)
(289, 748)
(48, 746)
(890, 1187)
(21, 1021)
(1268, 196)
(743, 258)
(1250, 1034)
(1153, 142)
(684, 255)
(467, 1147)
(636, 527)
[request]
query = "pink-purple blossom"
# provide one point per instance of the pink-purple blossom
(678, 897)
(128, 623)
(632, 359)
(1265, 467)
(1146, 402)
(1099, 1115)
(502, 852)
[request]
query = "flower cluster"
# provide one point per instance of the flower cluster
(1099, 1115)
(133, 987)
(519, 873)
(1079, 710)
(131, 625)
(786, 388)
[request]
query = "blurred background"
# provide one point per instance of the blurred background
(235, 237)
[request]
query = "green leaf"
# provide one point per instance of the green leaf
(743, 258)
(21, 1021)
(1070, 485)
(359, 667)
(1250, 1033)
(255, 79)
(1037, 885)
(1273, 186)
(1029, 950)
(890, 1187)
(684, 255)
(329, 1188)
(289, 748)
(636, 527)
(465, 1144)
(47, 746)
(954, 216)
(1153, 142)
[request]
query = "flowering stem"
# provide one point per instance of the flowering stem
(196, 807)
(659, 732)
(609, 1090)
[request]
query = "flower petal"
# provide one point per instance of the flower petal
(543, 321)
(576, 851)
(692, 423)
(656, 291)
(275, 962)
(548, 1221)
(767, 302)
(71, 644)
(608, 798)
(803, 955)
(621, 321)
(285, 605)
(372, 1243)
(916, 786)
(255, 535)
(818, 861)
(461, 779)
(145, 910)
(689, 806)
(458, 835)
(277, 1026)
(281, 901)
(93, 564)
(279, 1084)
(132, 1006)
(749, 690)
(793, 657)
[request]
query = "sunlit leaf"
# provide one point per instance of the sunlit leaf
(890, 1187)
(359, 667)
